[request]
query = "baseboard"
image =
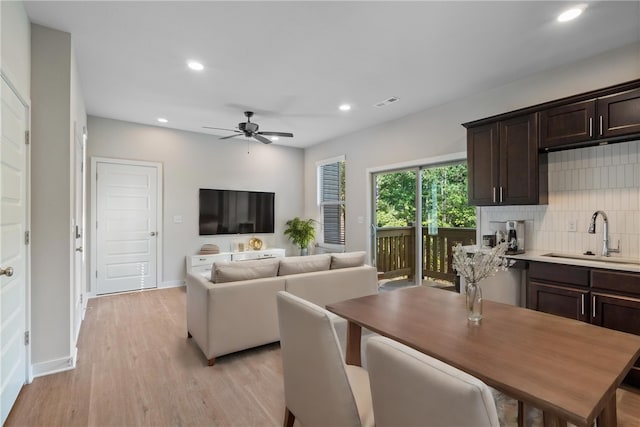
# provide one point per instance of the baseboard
(172, 284)
(54, 366)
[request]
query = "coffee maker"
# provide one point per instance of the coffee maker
(514, 236)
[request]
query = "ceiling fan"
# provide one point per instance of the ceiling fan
(250, 130)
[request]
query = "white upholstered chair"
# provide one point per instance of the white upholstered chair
(409, 388)
(319, 388)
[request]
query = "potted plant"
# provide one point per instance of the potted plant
(301, 232)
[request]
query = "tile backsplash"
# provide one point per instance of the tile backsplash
(582, 181)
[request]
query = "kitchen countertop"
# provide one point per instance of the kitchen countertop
(594, 261)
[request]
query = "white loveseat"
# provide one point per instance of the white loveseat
(235, 309)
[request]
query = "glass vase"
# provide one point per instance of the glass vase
(474, 302)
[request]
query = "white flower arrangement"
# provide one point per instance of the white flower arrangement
(475, 264)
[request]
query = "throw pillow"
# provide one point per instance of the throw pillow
(347, 259)
(304, 264)
(233, 271)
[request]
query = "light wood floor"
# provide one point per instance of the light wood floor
(137, 368)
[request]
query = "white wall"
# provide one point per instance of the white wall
(15, 46)
(57, 105)
(192, 161)
(437, 131)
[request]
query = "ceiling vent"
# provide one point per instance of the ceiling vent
(386, 102)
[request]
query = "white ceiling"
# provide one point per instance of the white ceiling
(294, 62)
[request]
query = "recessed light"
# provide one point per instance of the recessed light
(345, 107)
(162, 120)
(274, 138)
(195, 65)
(571, 14)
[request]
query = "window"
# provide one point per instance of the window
(331, 198)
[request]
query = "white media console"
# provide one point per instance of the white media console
(202, 263)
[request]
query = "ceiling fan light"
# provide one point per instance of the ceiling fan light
(274, 138)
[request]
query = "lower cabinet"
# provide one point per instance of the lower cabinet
(559, 300)
(606, 298)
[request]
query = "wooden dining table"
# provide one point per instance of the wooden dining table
(567, 368)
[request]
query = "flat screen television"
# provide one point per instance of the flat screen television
(235, 212)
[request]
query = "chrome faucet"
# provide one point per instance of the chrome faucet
(606, 250)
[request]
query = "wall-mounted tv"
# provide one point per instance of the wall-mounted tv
(235, 212)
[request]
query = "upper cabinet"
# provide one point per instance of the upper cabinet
(506, 154)
(567, 124)
(619, 114)
(607, 118)
(503, 163)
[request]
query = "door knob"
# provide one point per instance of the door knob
(79, 249)
(153, 233)
(6, 271)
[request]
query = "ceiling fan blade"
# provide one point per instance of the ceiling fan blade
(262, 139)
(286, 134)
(230, 130)
(230, 136)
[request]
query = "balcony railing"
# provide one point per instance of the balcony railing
(395, 254)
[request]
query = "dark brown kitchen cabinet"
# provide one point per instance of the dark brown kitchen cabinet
(567, 124)
(589, 121)
(606, 298)
(619, 114)
(559, 300)
(504, 164)
(559, 289)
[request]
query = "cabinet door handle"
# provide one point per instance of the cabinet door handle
(600, 125)
(590, 126)
(582, 304)
(500, 194)
(494, 194)
(593, 307)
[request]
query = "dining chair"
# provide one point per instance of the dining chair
(319, 388)
(409, 388)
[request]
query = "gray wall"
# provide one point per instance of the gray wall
(15, 39)
(192, 161)
(437, 131)
(56, 105)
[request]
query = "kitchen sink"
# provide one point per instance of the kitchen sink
(596, 258)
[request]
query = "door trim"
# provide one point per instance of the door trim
(94, 201)
(6, 76)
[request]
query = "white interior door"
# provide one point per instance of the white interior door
(13, 220)
(126, 227)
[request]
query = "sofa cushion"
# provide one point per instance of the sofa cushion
(347, 259)
(304, 264)
(232, 271)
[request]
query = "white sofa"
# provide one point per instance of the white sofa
(235, 309)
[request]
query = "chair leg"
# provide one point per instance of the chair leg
(289, 418)
(212, 361)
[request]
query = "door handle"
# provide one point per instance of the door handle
(153, 233)
(79, 249)
(600, 125)
(590, 126)
(6, 271)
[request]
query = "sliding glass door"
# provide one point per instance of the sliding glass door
(418, 215)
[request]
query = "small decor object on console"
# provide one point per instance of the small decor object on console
(255, 243)
(476, 264)
(209, 249)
